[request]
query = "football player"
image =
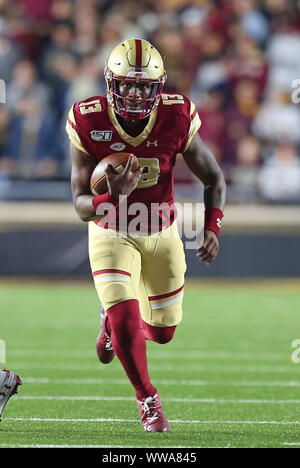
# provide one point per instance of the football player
(9, 382)
(140, 278)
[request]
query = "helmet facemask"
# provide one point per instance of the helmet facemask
(121, 104)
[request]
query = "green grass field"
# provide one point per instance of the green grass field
(226, 380)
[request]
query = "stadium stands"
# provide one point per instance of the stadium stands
(236, 59)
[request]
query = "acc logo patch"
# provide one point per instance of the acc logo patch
(101, 135)
(117, 146)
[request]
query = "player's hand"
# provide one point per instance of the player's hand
(125, 182)
(208, 252)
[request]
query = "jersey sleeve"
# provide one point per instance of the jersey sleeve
(193, 127)
(73, 130)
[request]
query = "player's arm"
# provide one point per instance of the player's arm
(118, 184)
(82, 169)
(203, 165)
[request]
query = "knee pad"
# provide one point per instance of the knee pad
(166, 316)
(114, 292)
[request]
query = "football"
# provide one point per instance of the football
(118, 161)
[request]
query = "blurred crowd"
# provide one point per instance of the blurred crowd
(237, 59)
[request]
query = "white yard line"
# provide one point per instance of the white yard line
(194, 383)
(179, 400)
(105, 446)
(59, 446)
(222, 355)
(291, 444)
(283, 423)
(167, 354)
(74, 420)
(289, 368)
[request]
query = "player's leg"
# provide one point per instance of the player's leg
(163, 269)
(159, 334)
(116, 266)
(160, 298)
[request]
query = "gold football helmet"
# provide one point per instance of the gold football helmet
(134, 60)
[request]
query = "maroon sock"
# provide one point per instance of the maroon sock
(160, 335)
(129, 345)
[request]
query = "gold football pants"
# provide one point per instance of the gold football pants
(149, 269)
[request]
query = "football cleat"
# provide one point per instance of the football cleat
(104, 347)
(153, 418)
(9, 382)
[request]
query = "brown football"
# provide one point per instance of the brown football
(118, 161)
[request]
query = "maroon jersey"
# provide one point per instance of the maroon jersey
(94, 129)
